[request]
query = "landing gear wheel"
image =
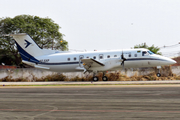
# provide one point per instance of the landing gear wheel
(104, 78)
(158, 75)
(95, 78)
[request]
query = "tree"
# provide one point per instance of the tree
(151, 48)
(43, 30)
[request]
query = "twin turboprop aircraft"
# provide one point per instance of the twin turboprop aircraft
(95, 61)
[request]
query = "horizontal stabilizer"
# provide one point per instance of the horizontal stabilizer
(37, 66)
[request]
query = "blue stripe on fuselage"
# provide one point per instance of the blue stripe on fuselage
(66, 63)
(134, 59)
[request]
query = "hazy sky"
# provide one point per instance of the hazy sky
(105, 24)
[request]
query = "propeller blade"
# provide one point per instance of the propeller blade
(122, 64)
(122, 56)
(124, 59)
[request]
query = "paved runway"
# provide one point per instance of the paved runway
(92, 83)
(131, 102)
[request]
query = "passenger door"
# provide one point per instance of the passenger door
(80, 62)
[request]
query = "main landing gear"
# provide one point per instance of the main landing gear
(104, 78)
(95, 78)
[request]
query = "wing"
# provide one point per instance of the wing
(102, 66)
(91, 63)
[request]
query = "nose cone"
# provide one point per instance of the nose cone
(172, 61)
(167, 61)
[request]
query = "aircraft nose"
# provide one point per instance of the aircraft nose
(167, 61)
(171, 61)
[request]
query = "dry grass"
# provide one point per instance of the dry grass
(166, 73)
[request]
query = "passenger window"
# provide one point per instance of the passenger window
(68, 59)
(115, 55)
(100, 56)
(74, 58)
(135, 55)
(94, 57)
(108, 56)
(129, 55)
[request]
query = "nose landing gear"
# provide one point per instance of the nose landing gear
(158, 74)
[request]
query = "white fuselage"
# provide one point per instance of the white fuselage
(71, 62)
(95, 61)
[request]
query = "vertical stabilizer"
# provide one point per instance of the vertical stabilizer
(26, 44)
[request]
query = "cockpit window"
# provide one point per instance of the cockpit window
(151, 53)
(147, 53)
(144, 53)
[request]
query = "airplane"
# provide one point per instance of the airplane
(94, 61)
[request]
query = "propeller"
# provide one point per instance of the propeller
(124, 59)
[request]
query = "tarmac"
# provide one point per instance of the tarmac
(94, 83)
(101, 102)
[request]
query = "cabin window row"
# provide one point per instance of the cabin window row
(94, 57)
(135, 55)
(100, 57)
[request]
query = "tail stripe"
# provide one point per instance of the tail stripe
(26, 56)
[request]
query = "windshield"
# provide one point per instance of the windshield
(151, 53)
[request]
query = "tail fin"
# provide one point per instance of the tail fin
(28, 49)
(27, 44)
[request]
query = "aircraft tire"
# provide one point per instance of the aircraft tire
(95, 78)
(104, 78)
(158, 74)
